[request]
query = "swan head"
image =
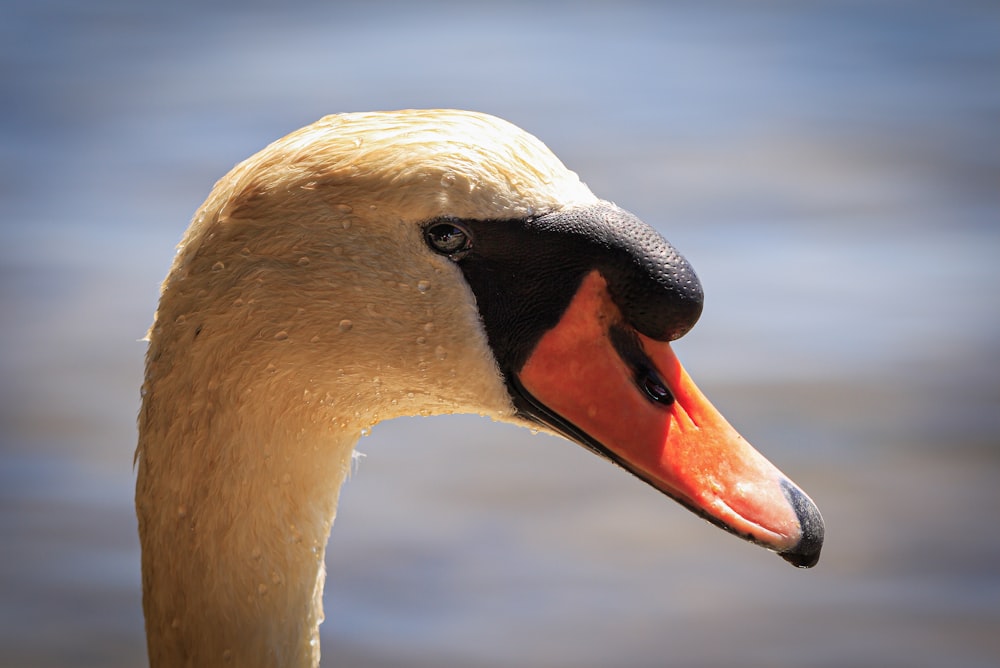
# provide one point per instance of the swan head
(376, 265)
(381, 264)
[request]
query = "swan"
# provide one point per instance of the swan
(375, 265)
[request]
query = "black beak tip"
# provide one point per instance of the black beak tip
(806, 552)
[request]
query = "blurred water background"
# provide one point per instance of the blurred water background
(832, 171)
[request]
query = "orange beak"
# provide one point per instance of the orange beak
(627, 397)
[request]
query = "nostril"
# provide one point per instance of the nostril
(626, 344)
(654, 387)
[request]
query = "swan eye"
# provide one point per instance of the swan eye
(449, 239)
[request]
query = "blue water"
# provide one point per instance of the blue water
(832, 171)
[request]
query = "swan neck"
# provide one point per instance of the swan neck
(234, 515)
